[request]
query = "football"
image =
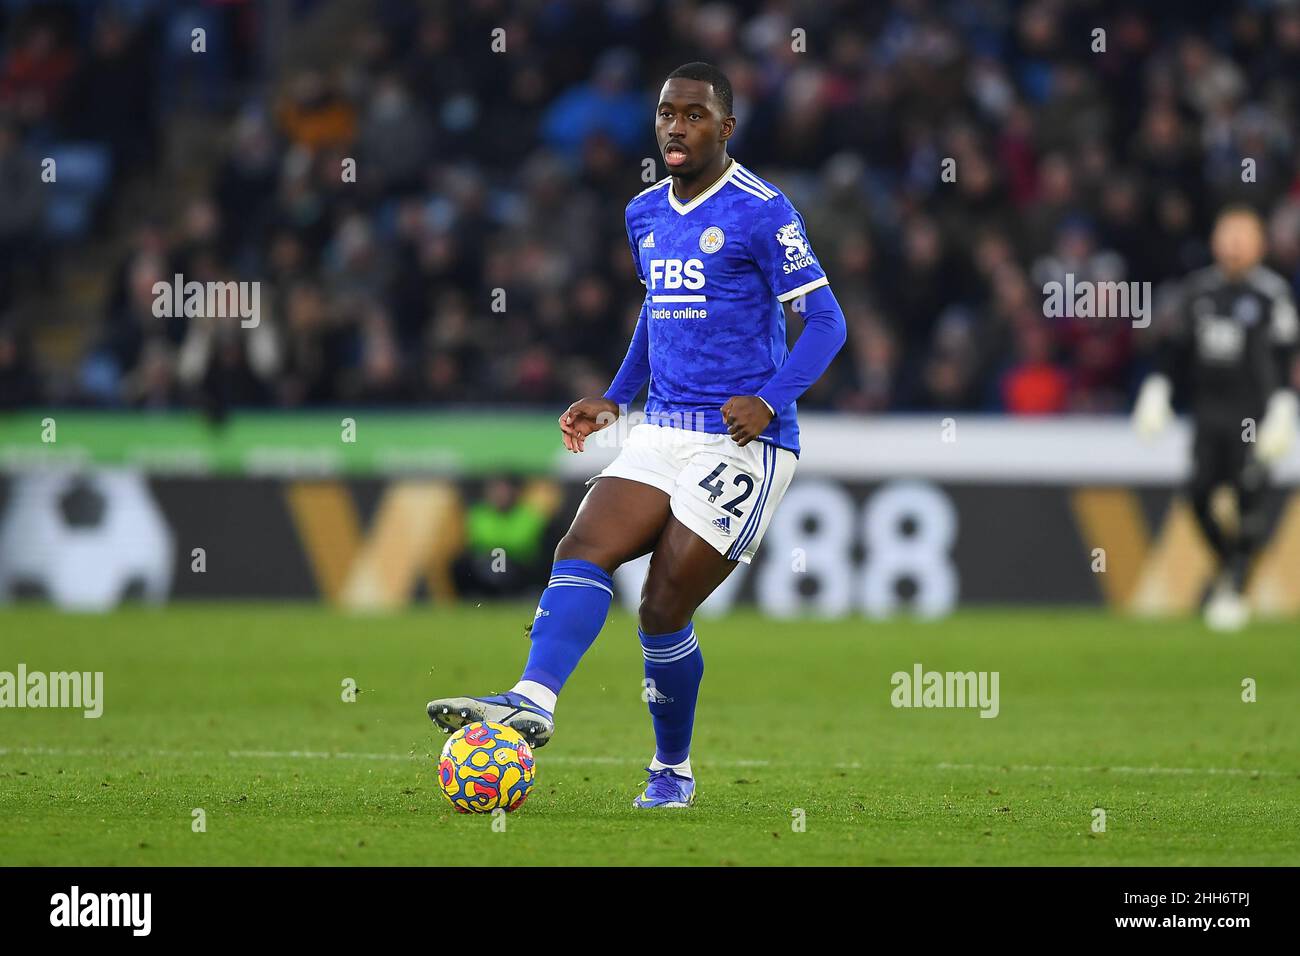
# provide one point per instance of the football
(485, 767)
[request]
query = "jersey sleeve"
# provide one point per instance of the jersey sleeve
(635, 370)
(1284, 334)
(636, 253)
(1285, 327)
(824, 334)
(779, 244)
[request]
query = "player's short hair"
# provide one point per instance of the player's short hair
(707, 73)
(1239, 209)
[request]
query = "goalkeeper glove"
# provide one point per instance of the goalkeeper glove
(1277, 430)
(1152, 411)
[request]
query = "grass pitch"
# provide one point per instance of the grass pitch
(236, 710)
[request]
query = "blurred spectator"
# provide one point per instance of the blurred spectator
(225, 366)
(318, 343)
(115, 97)
(503, 542)
(19, 384)
(21, 204)
(36, 74)
(1035, 385)
(480, 254)
(314, 115)
(395, 138)
(608, 104)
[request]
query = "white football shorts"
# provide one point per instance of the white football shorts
(724, 493)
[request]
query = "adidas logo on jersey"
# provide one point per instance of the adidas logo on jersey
(648, 242)
(723, 524)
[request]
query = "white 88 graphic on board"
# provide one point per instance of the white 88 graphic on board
(815, 517)
(919, 555)
(907, 529)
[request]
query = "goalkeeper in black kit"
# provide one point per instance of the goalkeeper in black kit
(1234, 345)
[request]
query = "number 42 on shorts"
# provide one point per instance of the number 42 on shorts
(712, 483)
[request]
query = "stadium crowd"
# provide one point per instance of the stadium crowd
(480, 256)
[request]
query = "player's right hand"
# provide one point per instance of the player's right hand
(1152, 411)
(583, 417)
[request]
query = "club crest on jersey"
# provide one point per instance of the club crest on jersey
(1246, 310)
(711, 239)
(797, 254)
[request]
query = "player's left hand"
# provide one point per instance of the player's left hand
(746, 417)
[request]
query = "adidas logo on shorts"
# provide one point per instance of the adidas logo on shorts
(723, 524)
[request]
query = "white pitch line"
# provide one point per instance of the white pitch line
(317, 755)
(618, 761)
(1050, 768)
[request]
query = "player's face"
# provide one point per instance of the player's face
(1238, 243)
(689, 126)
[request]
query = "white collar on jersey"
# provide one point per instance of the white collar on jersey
(684, 208)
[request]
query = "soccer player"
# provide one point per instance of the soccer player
(719, 251)
(1234, 344)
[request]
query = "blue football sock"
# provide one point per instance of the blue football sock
(571, 613)
(673, 669)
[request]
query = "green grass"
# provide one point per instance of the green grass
(236, 709)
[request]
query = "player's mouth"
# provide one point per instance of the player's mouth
(675, 154)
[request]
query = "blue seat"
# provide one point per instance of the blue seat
(84, 171)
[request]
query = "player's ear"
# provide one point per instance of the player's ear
(727, 128)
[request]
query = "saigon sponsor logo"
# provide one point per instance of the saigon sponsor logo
(797, 254)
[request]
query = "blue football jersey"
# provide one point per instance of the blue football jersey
(716, 270)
